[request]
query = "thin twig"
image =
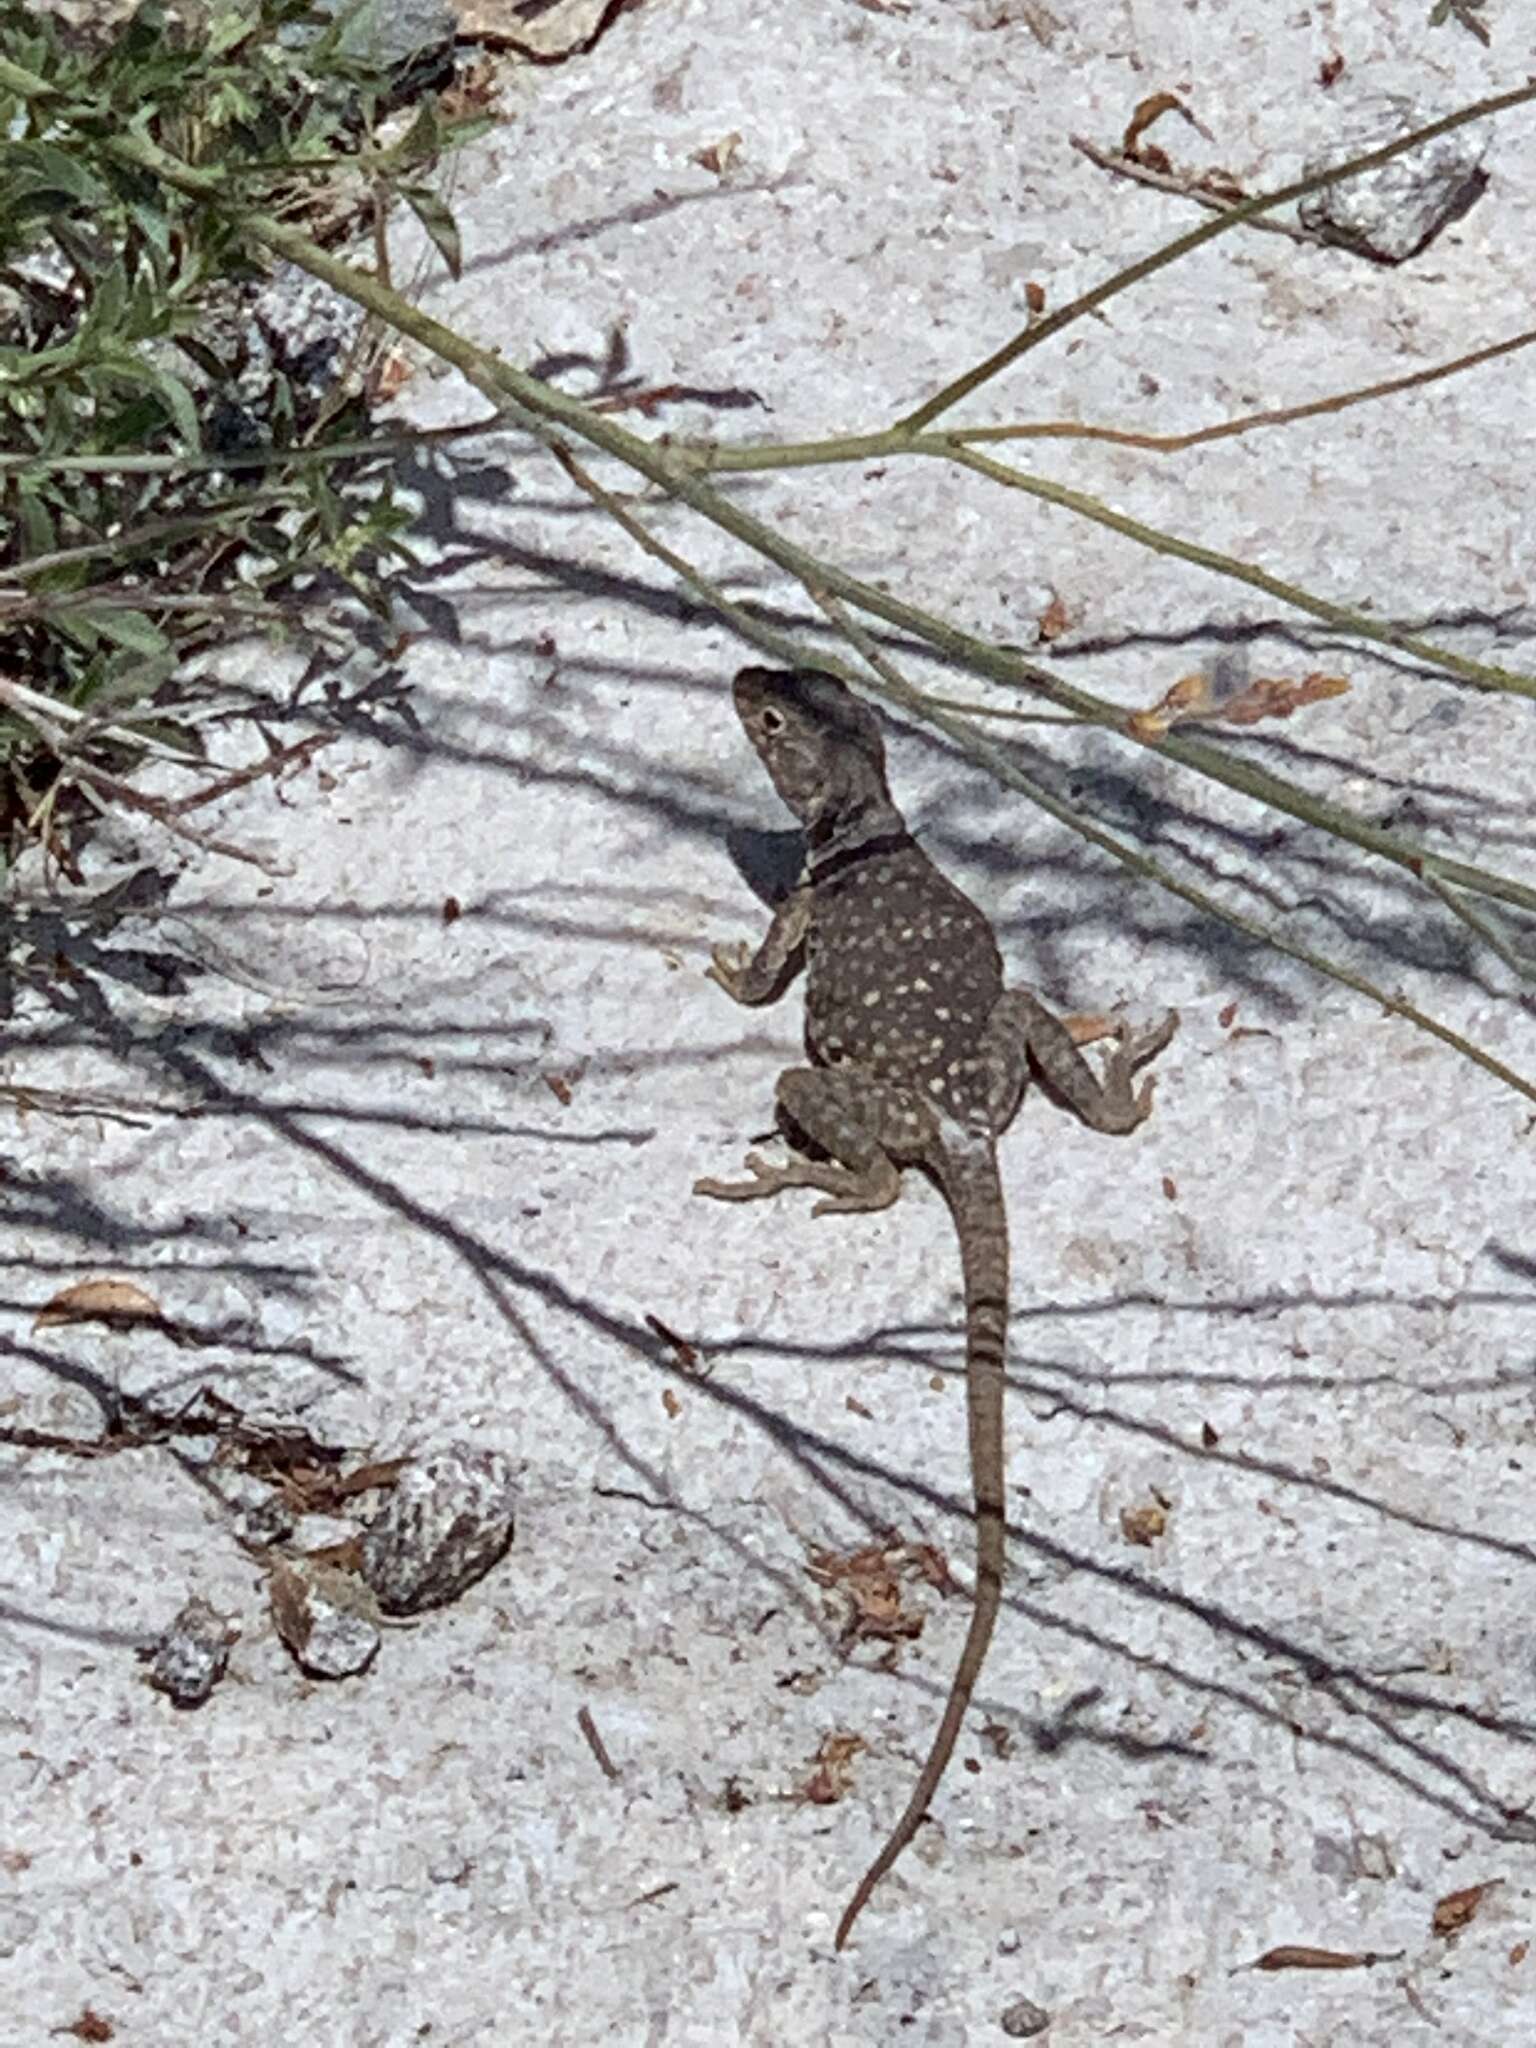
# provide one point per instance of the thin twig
(1342, 616)
(1183, 186)
(29, 1101)
(301, 752)
(40, 711)
(95, 780)
(1246, 210)
(595, 1743)
(1487, 928)
(1244, 423)
(1006, 771)
(399, 443)
(540, 409)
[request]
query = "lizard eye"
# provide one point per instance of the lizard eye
(772, 721)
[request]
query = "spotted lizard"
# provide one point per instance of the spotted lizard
(919, 1056)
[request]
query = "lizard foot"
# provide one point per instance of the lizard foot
(846, 1190)
(727, 963)
(1125, 1107)
(766, 1180)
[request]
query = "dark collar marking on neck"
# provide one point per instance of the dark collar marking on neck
(841, 859)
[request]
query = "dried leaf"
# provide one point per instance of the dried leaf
(1189, 696)
(1150, 110)
(1054, 620)
(718, 156)
(560, 1088)
(1330, 70)
(1457, 1909)
(1277, 697)
(671, 1403)
(472, 92)
(832, 1777)
(1220, 185)
(869, 1583)
(289, 1597)
(1044, 26)
(89, 2027)
(1193, 698)
(1145, 1524)
(102, 1301)
(390, 377)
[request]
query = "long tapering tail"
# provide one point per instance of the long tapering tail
(969, 1178)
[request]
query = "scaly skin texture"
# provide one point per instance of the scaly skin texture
(919, 1057)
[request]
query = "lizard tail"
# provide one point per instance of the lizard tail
(971, 1186)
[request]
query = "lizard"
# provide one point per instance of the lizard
(918, 1057)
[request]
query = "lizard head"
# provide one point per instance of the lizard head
(821, 746)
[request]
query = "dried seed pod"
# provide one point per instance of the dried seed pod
(187, 1661)
(447, 1521)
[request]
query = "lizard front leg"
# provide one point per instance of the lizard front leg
(754, 978)
(865, 1126)
(1021, 1029)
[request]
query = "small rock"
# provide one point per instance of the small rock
(1023, 2020)
(1393, 212)
(448, 1520)
(387, 35)
(189, 1659)
(324, 1618)
(309, 328)
(266, 1523)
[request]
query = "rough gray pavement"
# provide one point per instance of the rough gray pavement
(440, 1172)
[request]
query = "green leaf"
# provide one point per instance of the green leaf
(152, 225)
(133, 630)
(76, 623)
(179, 404)
(37, 528)
(229, 27)
(439, 224)
(127, 676)
(123, 629)
(41, 167)
(420, 143)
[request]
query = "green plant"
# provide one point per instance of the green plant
(146, 507)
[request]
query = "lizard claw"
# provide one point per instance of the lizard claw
(727, 963)
(766, 1180)
(1132, 1052)
(1138, 1050)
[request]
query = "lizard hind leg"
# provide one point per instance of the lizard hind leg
(864, 1126)
(1022, 1028)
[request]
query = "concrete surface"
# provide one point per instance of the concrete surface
(1298, 1307)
